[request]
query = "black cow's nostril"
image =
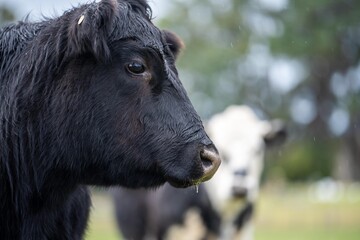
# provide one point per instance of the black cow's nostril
(206, 162)
(210, 160)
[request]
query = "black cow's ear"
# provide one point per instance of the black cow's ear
(174, 42)
(277, 135)
(89, 30)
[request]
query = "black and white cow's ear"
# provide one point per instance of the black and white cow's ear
(277, 134)
(89, 30)
(174, 42)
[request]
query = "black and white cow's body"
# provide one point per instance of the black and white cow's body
(91, 97)
(227, 201)
(146, 214)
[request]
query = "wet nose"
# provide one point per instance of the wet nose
(239, 191)
(210, 160)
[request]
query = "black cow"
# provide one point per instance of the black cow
(91, 98)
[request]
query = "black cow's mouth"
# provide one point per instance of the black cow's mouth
(188, 182)
(178, 184)
(183, 184)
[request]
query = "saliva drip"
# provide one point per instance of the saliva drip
(197, 188)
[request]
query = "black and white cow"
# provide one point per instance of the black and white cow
(224, 205)
(242, 139)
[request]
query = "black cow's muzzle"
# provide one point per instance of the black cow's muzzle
(209, 162)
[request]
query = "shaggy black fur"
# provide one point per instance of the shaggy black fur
(74, 112)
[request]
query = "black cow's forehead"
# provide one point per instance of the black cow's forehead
(129, 24)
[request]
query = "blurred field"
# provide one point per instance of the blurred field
(283, 213)
(295, 214)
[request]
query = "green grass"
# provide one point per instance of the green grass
(282, 214)
(291, 214)
(308, 234)
(102, 225)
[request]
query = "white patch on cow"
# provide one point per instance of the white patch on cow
(192, 229)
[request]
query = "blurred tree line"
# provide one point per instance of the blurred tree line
(294, 60)
(6, 14)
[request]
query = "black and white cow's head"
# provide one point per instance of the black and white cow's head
(241, 138)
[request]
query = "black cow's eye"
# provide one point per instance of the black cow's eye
(135, 68)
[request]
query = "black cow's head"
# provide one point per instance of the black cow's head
(101, 84)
